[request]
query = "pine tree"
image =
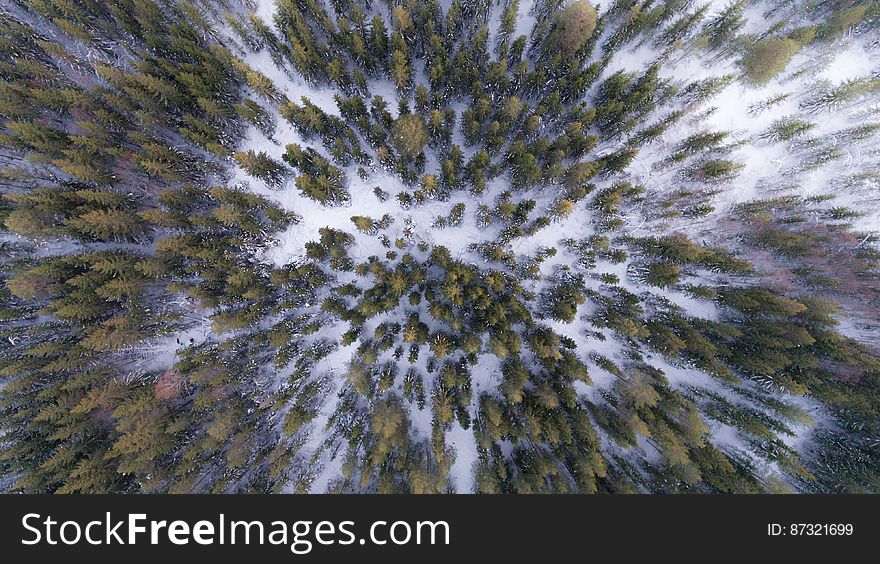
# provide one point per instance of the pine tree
(409, 135)
(765, 59)
(572, 28)
(108, 225)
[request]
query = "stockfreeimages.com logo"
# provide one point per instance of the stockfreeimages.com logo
(300, 536)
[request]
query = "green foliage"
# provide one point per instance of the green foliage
(572, 28)
(562, 299)
(662, 274)
(319, 180)
(767, 58)
(262, 166)
(409, 135)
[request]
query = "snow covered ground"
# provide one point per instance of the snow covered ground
(767, 166)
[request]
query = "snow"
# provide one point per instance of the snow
(465, 446)
(265, 10)
(525, 20)
(768, 167)
(854, 61)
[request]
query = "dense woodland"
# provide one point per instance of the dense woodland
(495, 289)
